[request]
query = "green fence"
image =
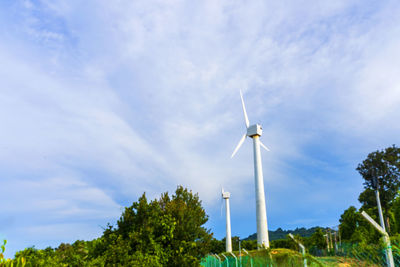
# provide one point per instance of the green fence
(278, 257)
(213, 261)
(343, 255)
(360, 255)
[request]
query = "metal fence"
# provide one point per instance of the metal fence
(213, 261)
(283, 257)
(346, 254)
(367, 255)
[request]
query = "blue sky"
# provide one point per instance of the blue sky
(103, 100)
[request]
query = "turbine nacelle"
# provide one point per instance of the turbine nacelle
(253, 130)
(226, 195)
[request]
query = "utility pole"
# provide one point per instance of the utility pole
(336, 246)
(375, 185)
(240, 253)
(303, 249)
(389, 255)
(327, 241)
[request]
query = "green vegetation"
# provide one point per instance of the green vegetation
(18, 262)
(384, 167)
(164, 232)
(269, 257)
(316, 240)
(281, 234)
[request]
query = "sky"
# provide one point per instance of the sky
(101, 101)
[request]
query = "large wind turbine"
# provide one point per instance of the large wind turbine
(255, 131)
(228, 243)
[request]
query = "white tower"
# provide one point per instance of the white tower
(255, 131)
(226, 196)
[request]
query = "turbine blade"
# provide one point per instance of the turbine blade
(222, 205)
(266, 148)
(239, 145)
(246, 119)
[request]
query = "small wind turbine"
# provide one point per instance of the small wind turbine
(226, 196)
(255, 131)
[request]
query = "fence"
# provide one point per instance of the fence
(372, 255)
(347, 254)
(244, 261)
(268, 258)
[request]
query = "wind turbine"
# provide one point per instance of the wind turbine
(254, 132)
(228, 244)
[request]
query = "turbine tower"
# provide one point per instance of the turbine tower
(255, 131)
(228, 245)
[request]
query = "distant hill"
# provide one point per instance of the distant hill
(281, 234)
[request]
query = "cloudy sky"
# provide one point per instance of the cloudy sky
(101, 101)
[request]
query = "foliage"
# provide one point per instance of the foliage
(18, 262)
(3, 248)
(317, 240)
(384, 165)
(249, 244)
(217, 246)
(284, 243)
(281, 234)
(348, 222)
(164, 232)
(380, 170)
(167, 231)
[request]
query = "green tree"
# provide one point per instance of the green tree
(354, 228)
(348, 222)
(35, 257)
(164, 232)
(284, 243)
(396, 215)
(384, 166)
(168, 231)
(217, 246)
(317, 239)
(191, 240)
(249, 244)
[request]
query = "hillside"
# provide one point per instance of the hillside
(281, 234)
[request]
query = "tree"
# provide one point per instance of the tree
(395, 212)
(284, 243)
(168, 231)
(217, 246)
(164, 232)
(317, 239)
(384, 166)
(348, 222)
(354, 228)
(249, 244)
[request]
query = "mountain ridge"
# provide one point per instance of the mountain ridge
(281, 234)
